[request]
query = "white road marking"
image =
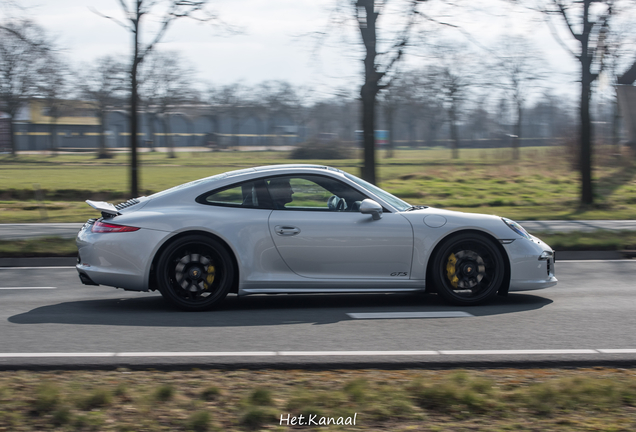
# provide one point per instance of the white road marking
(389, 315)
(624, 260)
(321, 353)
(520, 352)
(198, 354)
(25, 288)
(356, 353)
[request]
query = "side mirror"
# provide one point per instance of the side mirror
(371, 207)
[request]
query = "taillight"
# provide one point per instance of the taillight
(103, 227)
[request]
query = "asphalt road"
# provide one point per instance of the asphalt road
(48, 319)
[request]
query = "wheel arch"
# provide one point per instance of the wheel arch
(229, 250)
(503, 290)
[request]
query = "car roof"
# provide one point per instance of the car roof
(295, 166)
(230, 176)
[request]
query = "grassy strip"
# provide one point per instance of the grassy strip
(542, 185)
(600, 240)
(595, 240)
(40, 247)
(478, 400)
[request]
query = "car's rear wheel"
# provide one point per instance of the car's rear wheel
(468, 269)
(195, 273)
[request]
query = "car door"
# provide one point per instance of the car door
(320, 233)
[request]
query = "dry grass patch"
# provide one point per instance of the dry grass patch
(598, 399)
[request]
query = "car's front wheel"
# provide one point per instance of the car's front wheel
(468, 269)
(195, 273)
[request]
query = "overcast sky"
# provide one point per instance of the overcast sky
(272, 45)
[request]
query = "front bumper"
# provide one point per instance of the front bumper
(528, 269)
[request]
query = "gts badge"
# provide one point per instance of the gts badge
(399, 274)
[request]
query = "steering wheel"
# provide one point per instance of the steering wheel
(335, 203)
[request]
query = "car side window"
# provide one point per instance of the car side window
(312, 193)
(246, 195)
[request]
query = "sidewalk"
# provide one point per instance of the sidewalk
(69, 230)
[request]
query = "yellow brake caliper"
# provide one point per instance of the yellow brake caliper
(451, 271)
(208, 280)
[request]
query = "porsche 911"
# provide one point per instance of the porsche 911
(303, 229)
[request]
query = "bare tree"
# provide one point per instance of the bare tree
(382, 53)
(278, 100)
(587, 22)
(233, 101)
(22, 48)
(451, 77)
(621, 40)
(104, 84)
(377, 68)
(165, 82)
(135, 12)
(54, 89)
(518, 69)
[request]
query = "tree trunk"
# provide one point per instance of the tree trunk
(587, 196)
(102, 153)
(151, 130)
(169, 141)
(616, 127)
(12, 136)
(370, 89)
(134, 183)
(585, 163)
(368, 133)
(389, 126)
(516, 140)
(453, 133)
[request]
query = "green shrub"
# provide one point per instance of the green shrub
(357, 390)
(457, 394)
(91, 421)
(98, 398)
(61, 416)
(164, 392)
(261, 396)
(199, 421)
(257, 417)
(314, 149)
(47, 397)
(210, 393)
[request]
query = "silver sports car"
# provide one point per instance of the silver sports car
(303, 229)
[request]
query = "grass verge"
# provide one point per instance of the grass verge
(541, 185)
(40, 247)
(598, 399)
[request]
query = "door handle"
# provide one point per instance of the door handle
(286, 230)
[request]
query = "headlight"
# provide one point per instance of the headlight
(516, 228)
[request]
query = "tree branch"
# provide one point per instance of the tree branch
(556, 36)
(120, 23)
(563, 12)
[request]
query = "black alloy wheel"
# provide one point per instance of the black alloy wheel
(195, 273)
(468, 269)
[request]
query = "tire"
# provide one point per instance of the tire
(468, 269)
(195, 273)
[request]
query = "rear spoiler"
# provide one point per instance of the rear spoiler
(108, 210)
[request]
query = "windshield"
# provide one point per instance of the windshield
(384, 195)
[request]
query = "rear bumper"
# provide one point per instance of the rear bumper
(120, 260)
